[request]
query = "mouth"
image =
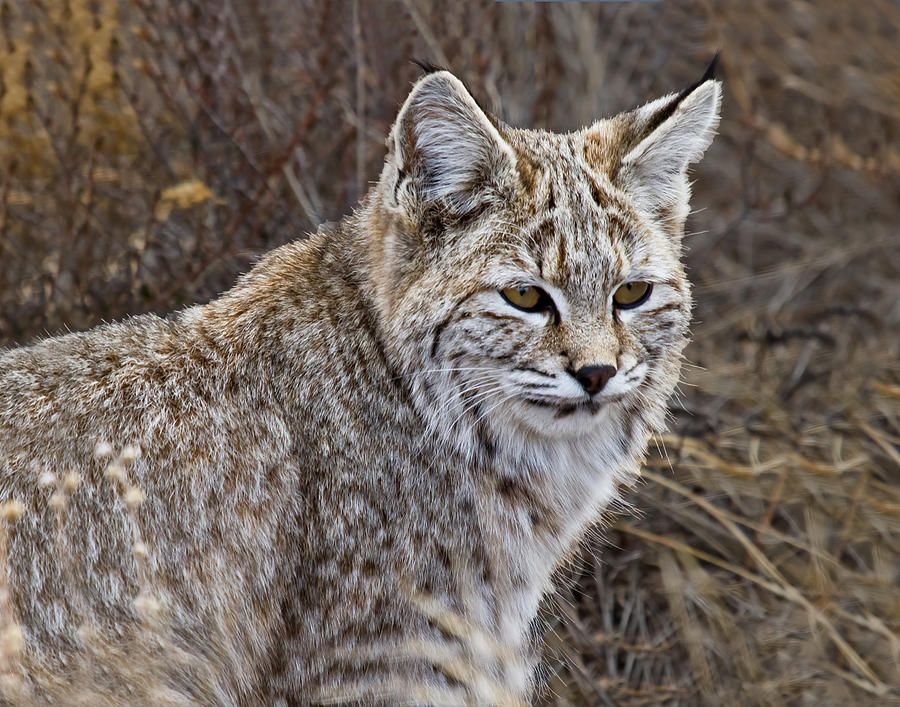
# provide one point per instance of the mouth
(562, 409)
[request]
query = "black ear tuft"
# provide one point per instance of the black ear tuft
(672, 106)
(710, 72)
(708, 75)
(427, 67)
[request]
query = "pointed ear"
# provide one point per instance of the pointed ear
(446, 151)
(666, 136)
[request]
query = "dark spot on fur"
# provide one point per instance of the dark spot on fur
(454, 314)
(443, 556)
(598, 197)
(664, 308)
(518, 581)
(497, 317)
(509, 488)
(564, 411)
(504, 358)
(484, 437)
(561, 257)
(539, 403)
(371, 568)
(529, 171)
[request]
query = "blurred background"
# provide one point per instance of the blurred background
(151, 150)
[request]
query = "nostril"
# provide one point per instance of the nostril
(594, 378)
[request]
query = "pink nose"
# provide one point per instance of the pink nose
(593, 378)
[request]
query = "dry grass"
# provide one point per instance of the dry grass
(148, 664)
(150, 150)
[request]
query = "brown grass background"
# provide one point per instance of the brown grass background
(151, 150)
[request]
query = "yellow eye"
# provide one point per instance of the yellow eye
(632, 294)
(531, 299)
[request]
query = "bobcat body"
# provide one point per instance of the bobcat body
(359, 467)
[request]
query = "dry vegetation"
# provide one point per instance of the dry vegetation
(150, 150)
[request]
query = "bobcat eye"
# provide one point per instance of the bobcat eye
(632, 294)
(528, 298)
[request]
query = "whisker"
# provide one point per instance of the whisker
(477, 400)
(486, 412)
(443, 370)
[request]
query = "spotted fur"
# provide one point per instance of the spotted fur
(363, 419)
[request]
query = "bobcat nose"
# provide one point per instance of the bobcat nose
(593, 378)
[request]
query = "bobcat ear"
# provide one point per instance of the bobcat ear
(668, 135)
(446, 150)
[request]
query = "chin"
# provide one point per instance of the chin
(567, 419)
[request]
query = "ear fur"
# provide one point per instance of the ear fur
(448, 149)
(674, 133)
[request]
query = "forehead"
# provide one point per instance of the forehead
(574, 224)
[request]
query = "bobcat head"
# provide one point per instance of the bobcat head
(533, 279)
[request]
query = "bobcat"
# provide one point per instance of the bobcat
(351, 476)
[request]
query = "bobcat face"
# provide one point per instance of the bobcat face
(576, 303)
(539, 273)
